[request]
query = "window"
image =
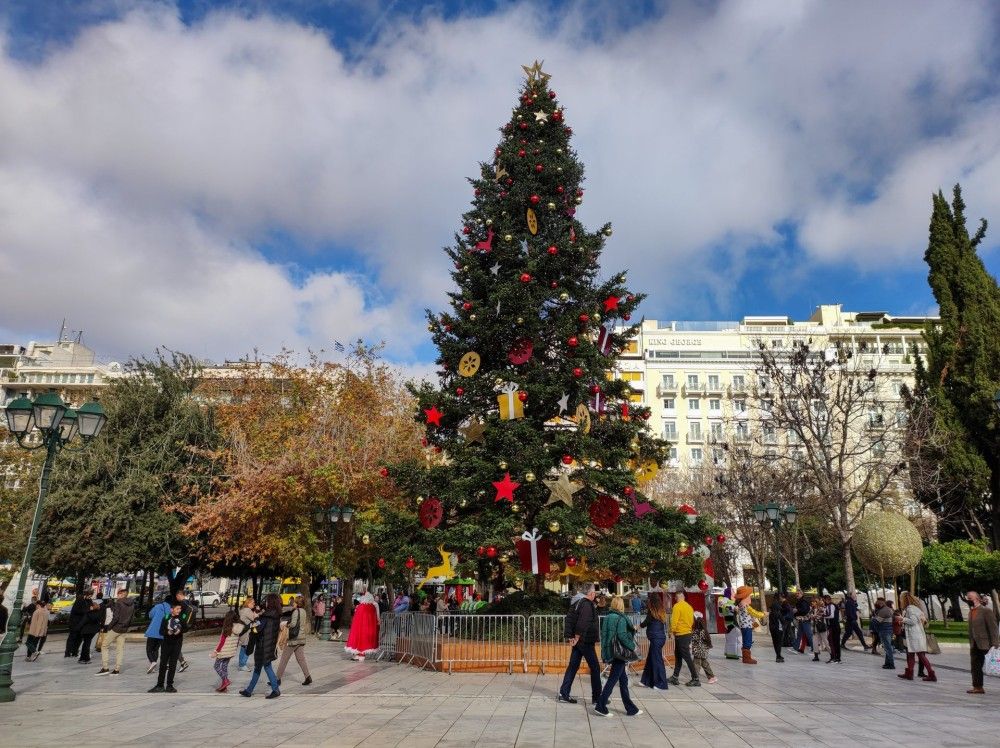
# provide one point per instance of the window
(766, 405)
(875, 418)
(716, 427)
(694, 405)
(673, 455)
(878, 448)
(740, 406)
(715, 405)
(739, 383)
(632, 376)
(632, 346)
(90, 379)
(770, 453)
(793, 437)
(764, 383)
(670, 431)
(718, 456)
(742, 431)
(668, 381)
(635, 397)
(713, 382)
(770, 436)
(692, 380)
(669, 403)
(897, 389)
(696, 455)
(694, 429)
(901, 418)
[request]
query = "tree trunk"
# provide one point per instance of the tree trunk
(539, 584)
(845, 550)
(995, 501)
(956, 610)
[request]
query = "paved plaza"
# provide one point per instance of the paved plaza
(798, 703)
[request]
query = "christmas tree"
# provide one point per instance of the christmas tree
(528, 428)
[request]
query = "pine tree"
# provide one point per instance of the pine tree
(962, 372)
(525, 395)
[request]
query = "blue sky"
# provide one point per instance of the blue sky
(256, 174)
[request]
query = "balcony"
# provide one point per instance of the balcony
(736, 390)
(742, 437)
(695, 438)
(665, 390)
(716, 388)
(694, 390)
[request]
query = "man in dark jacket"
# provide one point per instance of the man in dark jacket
(851, 627)
(802, 611)
(88, 629)
(582, 632)
(77, 615)
(121, 616)
(983, 636)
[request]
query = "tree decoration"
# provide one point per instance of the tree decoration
(410, 563)
(381, 563)
(689, 511)
(473, 431)
(563, 404)
(384, 472)
(582, 418)
(604, 512)
(431, 512)
(469, 364)
(521, 351)
(505, 488)
(491, 552)
(887, 544)
(511, 406)
(611, 304)
(533, 552)
(641, 508)
(532, 220)
(433, 415)
(487, 244)
(646, 471)
(561, 489)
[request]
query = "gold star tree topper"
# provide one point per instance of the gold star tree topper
(535, 73)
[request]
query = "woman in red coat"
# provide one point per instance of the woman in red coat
(363, 639)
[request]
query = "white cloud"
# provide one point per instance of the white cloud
(152, 156)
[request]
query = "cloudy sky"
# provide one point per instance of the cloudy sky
(217, 177)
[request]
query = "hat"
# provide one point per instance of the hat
(743, 592)
(697, 614)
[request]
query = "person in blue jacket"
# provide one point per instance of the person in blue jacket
(153, 636)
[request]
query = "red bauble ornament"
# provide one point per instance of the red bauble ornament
(567, 459)
(539, 168)
(626, 316)
(431, 512)
(497, 151)
(521, 153)
(521, 351)
(560, 189)
(702, 585)
(604, 512)
(466, 230)
(579, 193)
(503, 194)
(447, 328)
(630, 297)
(553, 250)
(384, 472)
(553, 284)
(491, 551)
(645, 415)
(557, 115)
(476, 192)
(552, 94)
(709, 540)
(571, 561)
(381, 563)
(523, 125)
(721, 539)
(509, 182)
(595, 389)
(584, 318)
(480, 551)
(535, 199)
(568, 130)
(577, 372)
(467, 305)
(618, 579)
(522, 396)
(525, 278)
(572, 342)
(459, 391)
(410, 563)
(628, 491)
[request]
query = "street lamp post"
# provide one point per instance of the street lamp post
(331, 517)
(58, 426)
(774, 516)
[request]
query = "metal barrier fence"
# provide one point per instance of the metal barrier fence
(460, 640)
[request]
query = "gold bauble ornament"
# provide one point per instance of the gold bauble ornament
(559, 169)
(505, 557)
(520, 320)
(504, 214)
(498, 382)
(515, 508)
(578, 200)
(508, 238)
(463, 503)
(551, 206)
(472, 318)
(520, 116)
(420, 500)
(596, 316)
(578, 539)
(607, 231)
(553, 526)
(564, 297)
(430, 328)
(502, 464)
(529, 477)
(489, 221)
(365, 539)
(465, 268)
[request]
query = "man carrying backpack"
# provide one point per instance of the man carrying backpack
(582, 632)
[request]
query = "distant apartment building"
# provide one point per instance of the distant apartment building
(67, 367)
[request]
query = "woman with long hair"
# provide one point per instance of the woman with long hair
(654, 674)
(916, 640)
(617, 637)
(363, 639)
(298, 633)
(264, 652)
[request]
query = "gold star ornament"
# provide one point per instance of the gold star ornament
(561, 489)
(535, 73)
(541, 115)
(473, 431)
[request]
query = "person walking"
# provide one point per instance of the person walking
(983, 636)
(581, 633)
(363, 637)
(821, 640)
(701, 642)
(681, 625)
(88, 630)
(617, 637)
(916, 640)
(247, 615)
(851, 627)
(776, 625)
(188, 612)
(172, 634)
(832, 615)
(298, 634)
(265, 647)
(654, 673)
(117, 626)
(153, 636)
(26, 613)
(747, 619)
(319, 610)
(77, 615)
(38, 630)
(873, 626)
(804, 622)
(227, 647)
(338, 614)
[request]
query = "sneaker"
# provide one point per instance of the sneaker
(657, 688)
(713, 679)
(170, 689)
(273, 695)
(156, 689)
(103, 671)
(674, 680)
(115, 672)
(602, 710)
(695, 683)
(246, 693)
(184, 665)
(245, 669)
(151, 668)
(642, 685)
(566, 699)
(636, 713)
(779, 659)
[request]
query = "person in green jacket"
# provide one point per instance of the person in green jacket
(616, 627)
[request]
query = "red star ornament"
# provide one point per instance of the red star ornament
(505, 488)
(611, 304)
(433, 415)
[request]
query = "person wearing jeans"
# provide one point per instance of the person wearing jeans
(264, 652)
(681, 625)
(582, 632)
(617, 632)
(851, 627)
(883, 625)
(805, 632)
(248, 614)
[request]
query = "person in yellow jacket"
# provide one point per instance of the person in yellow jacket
(681, 625)
(747, 619)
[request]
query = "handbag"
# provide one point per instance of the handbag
(821, 626)
(991, 664)
(295, 630)
(282, 639)
(932, 645)
(620, 652)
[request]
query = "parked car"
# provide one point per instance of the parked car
(207, 598)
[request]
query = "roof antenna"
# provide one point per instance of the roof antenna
(62, 330)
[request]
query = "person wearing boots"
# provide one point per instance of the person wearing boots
(776, 625)
(747, 619)
(916, 639)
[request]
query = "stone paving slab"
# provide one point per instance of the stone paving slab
(797, 703)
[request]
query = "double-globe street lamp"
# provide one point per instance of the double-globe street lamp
(58, 426)
(331, 518)
(772, 514)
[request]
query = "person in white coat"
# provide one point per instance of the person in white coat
(916, 640)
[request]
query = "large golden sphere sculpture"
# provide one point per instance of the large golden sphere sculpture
(887, 544)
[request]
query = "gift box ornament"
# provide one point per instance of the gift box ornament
(510, 404)
(533, 551)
